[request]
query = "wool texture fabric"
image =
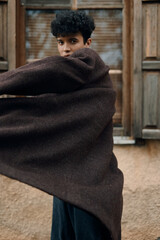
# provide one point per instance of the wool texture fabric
(56, 135)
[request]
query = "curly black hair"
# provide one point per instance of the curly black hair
(72, 21)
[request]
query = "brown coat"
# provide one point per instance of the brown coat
(59, 139)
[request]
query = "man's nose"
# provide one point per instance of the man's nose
(66, 47)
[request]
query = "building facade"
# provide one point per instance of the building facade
(127, 37)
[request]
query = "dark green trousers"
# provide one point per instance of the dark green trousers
(72, 223)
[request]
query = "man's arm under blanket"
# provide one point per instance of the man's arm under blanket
(55, 74)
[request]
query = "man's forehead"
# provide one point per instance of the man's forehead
(69, 35)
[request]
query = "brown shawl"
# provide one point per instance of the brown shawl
(59, 138)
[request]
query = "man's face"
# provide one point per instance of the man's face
(70, 43)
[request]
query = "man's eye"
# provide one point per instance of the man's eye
(73, 41)
(60, 42)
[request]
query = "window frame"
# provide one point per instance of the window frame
(125, 131)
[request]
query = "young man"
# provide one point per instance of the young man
(60, 138)
(73, 30)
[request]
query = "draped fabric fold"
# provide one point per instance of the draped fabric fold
(58, 138)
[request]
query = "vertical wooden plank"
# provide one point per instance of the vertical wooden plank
(12, 34)
(1, 32)
(74, 4)
(158, 27)
(150, 30)
(144, 28)
(158, 101)
(137, 74)
(126, 48)
(5, 31)
(20, 34)
(150, 101)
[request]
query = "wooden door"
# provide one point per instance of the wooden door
(146, 69)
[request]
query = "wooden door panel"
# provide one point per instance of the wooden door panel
(151, 108)
(3, 36)
(151, 30)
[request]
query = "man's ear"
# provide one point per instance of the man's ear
(88, 43)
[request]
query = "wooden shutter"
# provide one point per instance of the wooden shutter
(146, 69)
(7, 35)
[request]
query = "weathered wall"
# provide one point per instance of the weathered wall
(141, 168)
(25, 212)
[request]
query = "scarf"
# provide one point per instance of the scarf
(56, 135)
